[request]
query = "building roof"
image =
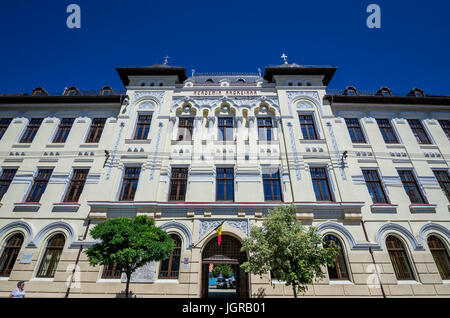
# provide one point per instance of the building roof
(154, 70)
(8, 99)
(246, 78)
(81, 96)
(374, 97)
(295, 69)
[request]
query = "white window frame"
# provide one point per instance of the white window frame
(319, 132)
(383, 184)
(144, 113)
(328, 169)
(122, 174)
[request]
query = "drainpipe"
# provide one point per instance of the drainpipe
(373, 259)
(287, 159)
(77, 260)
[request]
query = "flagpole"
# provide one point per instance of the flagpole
(205, 236)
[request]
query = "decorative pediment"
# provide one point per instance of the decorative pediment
(206, 226)
(295, 96)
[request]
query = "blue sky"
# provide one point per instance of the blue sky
(412, 48)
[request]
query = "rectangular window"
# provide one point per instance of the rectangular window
(129, 183)
(320, 184)
(39, 184)
(272, 184)
(111, 271)
(225, 128)
(411, 187)
(374, 186)
(445, 124)
(63, 130)
(444, 181)
(76, 185)
(178, 183)
(224, 184)
(31, 130)
(308, 127)
(4, 124)
(185, 129)
(96, 130)
(355, 131)
(5, 180)
(418, 131)
(265, 128)
(142, 127)
(387, 131)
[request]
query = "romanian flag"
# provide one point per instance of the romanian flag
(219, 231)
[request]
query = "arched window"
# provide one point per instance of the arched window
(399, 258)
(339, 271)
(39, 91)
(299, 84)
(384, 91)
(350, 91)
(240, 80)
(10, 254)
(106, 91)
(170, 267)
(51, 257)
(73, 91)
(209, 81)
(440, 255)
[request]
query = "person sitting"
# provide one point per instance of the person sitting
(18, 292)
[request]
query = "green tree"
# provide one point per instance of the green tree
(225, 269)
(293, 252)
(129, 243)
(216, 270)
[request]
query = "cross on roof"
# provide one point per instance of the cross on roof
(284, 57)
(166, 59)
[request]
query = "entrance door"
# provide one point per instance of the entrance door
(229, 252)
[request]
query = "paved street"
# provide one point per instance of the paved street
(221, 293)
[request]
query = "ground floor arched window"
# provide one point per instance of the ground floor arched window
(339, 270)
(170, 268)
(10, 253)
(399, 258)
(51, 257)
(440, 255)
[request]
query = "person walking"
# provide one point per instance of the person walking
(18, 292)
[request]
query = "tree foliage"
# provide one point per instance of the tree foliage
(225, 269)
(129, 243)
(293, 252)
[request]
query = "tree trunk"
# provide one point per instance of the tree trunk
(128, 284)
(295, 290)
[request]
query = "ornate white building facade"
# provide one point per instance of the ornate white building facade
(370, 170)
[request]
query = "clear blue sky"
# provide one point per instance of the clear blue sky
(412, 48)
